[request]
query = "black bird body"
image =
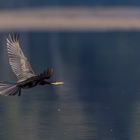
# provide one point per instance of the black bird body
(26, 77)
(29, 83)
(32, 82)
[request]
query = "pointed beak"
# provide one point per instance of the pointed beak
(57, 83)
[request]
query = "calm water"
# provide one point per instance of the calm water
(101, 96)
(33, 3)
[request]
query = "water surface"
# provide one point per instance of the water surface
(101, 96)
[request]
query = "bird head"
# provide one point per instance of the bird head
(47, 75)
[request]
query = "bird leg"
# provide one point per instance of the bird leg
(19, 93)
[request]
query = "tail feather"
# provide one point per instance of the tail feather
(7, 89)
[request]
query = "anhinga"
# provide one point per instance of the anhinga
(22, 69)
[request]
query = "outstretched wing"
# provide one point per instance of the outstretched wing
(19, 63)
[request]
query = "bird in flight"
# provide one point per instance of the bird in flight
(26, 77)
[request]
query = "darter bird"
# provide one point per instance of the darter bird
(23, 70)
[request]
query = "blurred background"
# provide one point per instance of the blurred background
(94, 48)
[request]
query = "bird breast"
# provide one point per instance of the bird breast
(29, 83)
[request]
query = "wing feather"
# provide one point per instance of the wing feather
(18, 62)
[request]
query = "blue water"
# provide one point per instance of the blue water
(100, 99)
(37, 3)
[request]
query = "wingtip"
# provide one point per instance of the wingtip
(14, 37)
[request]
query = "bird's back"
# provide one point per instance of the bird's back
(30, 82)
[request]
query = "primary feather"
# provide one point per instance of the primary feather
(19, 63)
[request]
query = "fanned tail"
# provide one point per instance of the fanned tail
(7, 89)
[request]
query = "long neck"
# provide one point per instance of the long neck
(41, 77)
